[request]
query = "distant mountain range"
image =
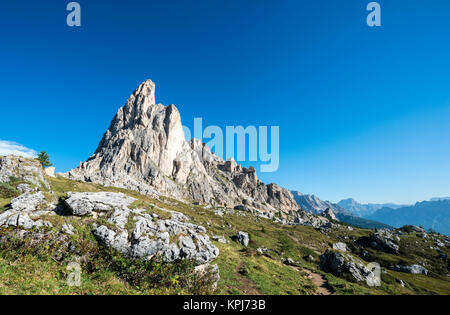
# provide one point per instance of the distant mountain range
(433, 214)
(429, 214)
(315, 205)
(364, 210)
(439, 199)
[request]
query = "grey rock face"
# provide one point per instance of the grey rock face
(25, 169)
(67, 229)
(145, 149)
(385, 241)
(308, 219)
(340, 247)
(21, 220)
(329, 214)
(314, 204)
(170, 240)
(22, 208)
(340, 263)
(413, 269)
(28, 201)
(418, 229)
(84, 204)
(23, 188)
(243, 238)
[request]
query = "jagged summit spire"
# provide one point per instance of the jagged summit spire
(145, 149)
(146, 88)
(139, 103)
(145, 92)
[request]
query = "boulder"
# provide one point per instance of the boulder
(243, 238)
(340, 264)
(413, 269)
(85, 203)
(12, 218)
(28, 201)
(400, 281)
(385, 241)
(24, 169)
(23, 210)
(340, 247)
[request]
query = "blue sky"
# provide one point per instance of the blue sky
(363, 112)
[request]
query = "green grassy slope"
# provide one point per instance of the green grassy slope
(27, 270)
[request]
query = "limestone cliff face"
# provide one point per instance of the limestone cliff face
(144, 149)
(25, 169)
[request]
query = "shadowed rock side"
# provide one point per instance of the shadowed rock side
(145, 149)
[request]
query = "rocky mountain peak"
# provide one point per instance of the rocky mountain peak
(139, 106)
(145, 149)
(143, 95)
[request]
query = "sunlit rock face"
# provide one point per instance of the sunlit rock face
(145, 149)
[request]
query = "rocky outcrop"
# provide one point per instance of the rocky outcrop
(145, 149)
(28, 201)
(308, 219)
(340, 247)
(140, 233)
(84, 204)
(329, 214)
(22, 211)
(341, 264)
(385, 241)
(418, 229)
(413, 269)
(243, 238)
(23, 169)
